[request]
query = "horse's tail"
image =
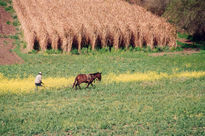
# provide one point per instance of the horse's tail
(74, 82)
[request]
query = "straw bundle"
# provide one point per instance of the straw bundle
(72, 24)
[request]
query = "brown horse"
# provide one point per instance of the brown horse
(86, 78)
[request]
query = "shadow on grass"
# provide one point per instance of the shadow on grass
(189, 42)
(195, 45)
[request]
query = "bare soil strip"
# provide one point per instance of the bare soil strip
(184, 52)
(7, 57)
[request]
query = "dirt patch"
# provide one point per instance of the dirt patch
(186, 41)
(7, 57)
(184, 52)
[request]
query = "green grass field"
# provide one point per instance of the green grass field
(168, 106)
(165, 106)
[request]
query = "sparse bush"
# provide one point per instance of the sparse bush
(3, 3)
(32, 52)
(157, 49)
(138, 49)
(24, 45)
(14, 16)
(74, 51)
(8, 22)
(16, 37)
(179, 49)
(53, 51)
(86, 50)
(157, 7)
(188, 15)
(104, 50)
(16, 23)
(9, 9)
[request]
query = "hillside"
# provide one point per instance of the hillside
(6, 44)
(99, 23)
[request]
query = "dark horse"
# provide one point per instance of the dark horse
(86, 78)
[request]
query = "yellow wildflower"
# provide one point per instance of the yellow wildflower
(26, 85)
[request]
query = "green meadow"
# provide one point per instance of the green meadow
(173, 106)
(168, 106)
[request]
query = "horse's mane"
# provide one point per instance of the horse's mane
(95, 73)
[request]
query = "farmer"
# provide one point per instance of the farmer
(38, 80)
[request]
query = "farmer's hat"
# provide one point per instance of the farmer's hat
(40, 73)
